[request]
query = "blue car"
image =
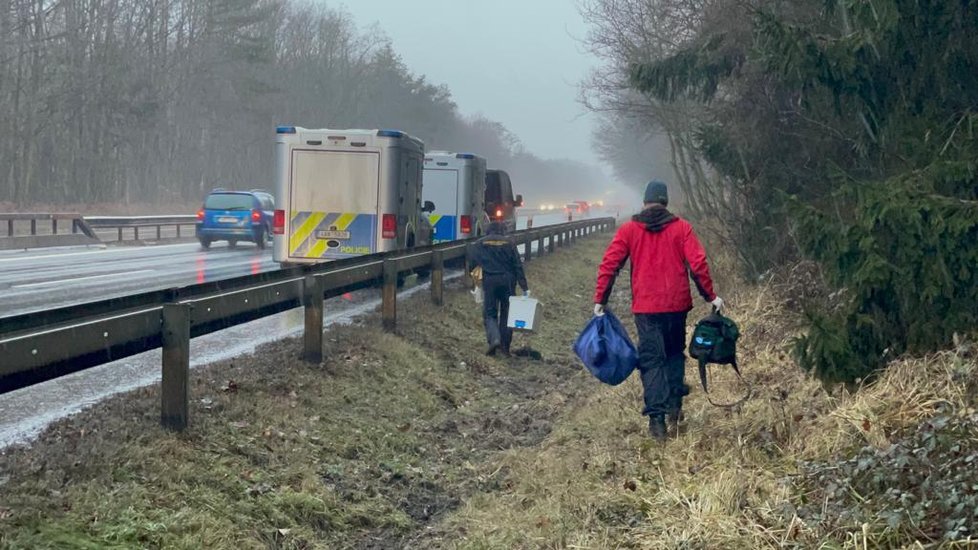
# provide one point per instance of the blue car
(234, 216)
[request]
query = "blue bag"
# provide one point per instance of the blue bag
(606, 349)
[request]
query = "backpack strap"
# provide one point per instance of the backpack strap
(747, 394)
(702, 365)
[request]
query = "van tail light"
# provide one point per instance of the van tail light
(466, 222)
(256, 215)
(200, 215)
(389, 226)
(278, 223)
(499, 213)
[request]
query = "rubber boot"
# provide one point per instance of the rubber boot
(657, 427)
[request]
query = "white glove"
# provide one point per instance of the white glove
(598, 310)
(717, 304)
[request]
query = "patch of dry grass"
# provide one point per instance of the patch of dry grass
(733, 479)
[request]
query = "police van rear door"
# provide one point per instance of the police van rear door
(333, 203)
(441, 187)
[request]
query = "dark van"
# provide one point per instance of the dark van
(500, 203)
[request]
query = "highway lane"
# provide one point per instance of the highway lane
(46, 278)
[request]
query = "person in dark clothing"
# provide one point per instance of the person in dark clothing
(664, 254)
(502, 270)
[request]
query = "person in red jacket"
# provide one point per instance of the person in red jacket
(664, 254)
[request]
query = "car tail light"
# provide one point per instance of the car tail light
(200, 215)
(389, 226)
(466, 222)
(278, 223)
(256, 215)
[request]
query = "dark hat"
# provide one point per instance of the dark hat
(656, 191)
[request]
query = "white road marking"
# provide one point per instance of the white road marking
(64, 281)
(102, 251)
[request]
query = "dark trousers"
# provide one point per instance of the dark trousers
(661, 362)
(496, 290)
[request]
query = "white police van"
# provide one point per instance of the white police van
(343, 193)
(455, 183)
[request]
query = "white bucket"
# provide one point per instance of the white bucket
(524, 313)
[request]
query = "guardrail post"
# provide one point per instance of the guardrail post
(10, 228)
(528, 249)
(551, 244)
(312, 300)
(175, 386)
(54, 226)
(389, 294)
(178, 231)
(438, 277)
(120, 234)
(540, 246)
(135, 233)
(159, 232)
(33, 226)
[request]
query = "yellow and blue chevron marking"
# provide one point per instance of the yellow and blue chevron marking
(304, 244)
(445, 227)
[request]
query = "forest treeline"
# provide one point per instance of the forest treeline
(161, 100)
(843, 132)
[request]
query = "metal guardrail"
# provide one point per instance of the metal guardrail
(135, 223)
(42, 346)
(78, 223)
(72, 230)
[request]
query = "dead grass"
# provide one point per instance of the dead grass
(734, 478)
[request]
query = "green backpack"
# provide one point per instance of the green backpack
(714, 341)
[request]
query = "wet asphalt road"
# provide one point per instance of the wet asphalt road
(49, 278)
(44, 279)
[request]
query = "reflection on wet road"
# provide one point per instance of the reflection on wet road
(44, 279)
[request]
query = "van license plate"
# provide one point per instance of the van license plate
(227, 219)
(332, 234)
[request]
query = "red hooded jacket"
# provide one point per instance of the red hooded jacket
(665, 253)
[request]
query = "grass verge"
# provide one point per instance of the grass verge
(366, 450)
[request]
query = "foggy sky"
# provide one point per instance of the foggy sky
(515, 61)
